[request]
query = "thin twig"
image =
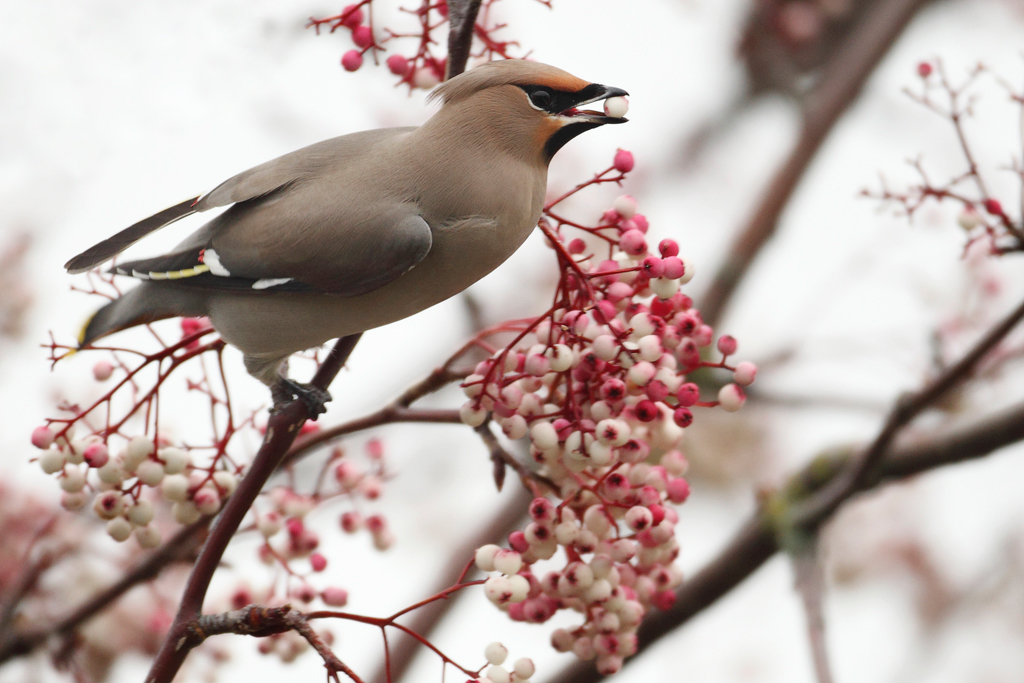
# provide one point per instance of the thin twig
(504, 521)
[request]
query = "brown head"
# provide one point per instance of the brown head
(526, 109)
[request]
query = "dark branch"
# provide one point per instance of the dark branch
(462, 19)
(282, 429)
(810, 513)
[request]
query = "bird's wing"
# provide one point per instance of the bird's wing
(258, 182)
(332, 257)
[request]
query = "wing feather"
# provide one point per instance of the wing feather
(254, 184)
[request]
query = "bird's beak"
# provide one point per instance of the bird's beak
(603, 92)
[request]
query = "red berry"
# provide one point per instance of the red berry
(623, 161)
(351, 60)
(688, 394)
(994, 207)
(924, 69)
(683, 417)
(517, 539)
(351, 16)
(398, 65)
(362, 36)
(645, 410)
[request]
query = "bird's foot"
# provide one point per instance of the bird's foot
(314, 398)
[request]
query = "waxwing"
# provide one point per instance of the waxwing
(361, 230)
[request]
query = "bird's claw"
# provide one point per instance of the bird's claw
(313, 398)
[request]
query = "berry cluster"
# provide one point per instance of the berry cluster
(426, 67)
(124, 484)
(599, 386)
(118, 485)
(496, 654)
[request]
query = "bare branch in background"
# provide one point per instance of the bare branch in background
(809, 580)
(755, 542)
(839, 84)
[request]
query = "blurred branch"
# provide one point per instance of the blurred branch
(840, 83)
(502, 458)
(756, 542)
(810, 513)
(282, 429)
(810, 584)
(180, 546)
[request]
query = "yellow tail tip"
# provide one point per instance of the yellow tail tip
(81, 332)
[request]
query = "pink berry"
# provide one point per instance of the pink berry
(924, 69)
(653, 267)
(102, 370)
(994, 207)
(683, 417)
(376, 524)
(517, 539)
(678, 490)
(42, 437)
(726, 345)
(542, 510)
(633, 243)
(731, 397)
(623, 161)
(351, 16)
(398, 65)
(674, 268)
(334, 596)
(656, 390)
(640, 221)
(745, 373)
(362, 36)
(318, 562)
(375, 449)
(688, 394)
(668, 248)
(351, 60)
(613, 390)
(577, 246)
(295, 527)
(96, 455)
(351, 522)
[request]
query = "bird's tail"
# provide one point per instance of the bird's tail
(144, 304)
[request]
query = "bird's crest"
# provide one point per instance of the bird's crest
(505, 72)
